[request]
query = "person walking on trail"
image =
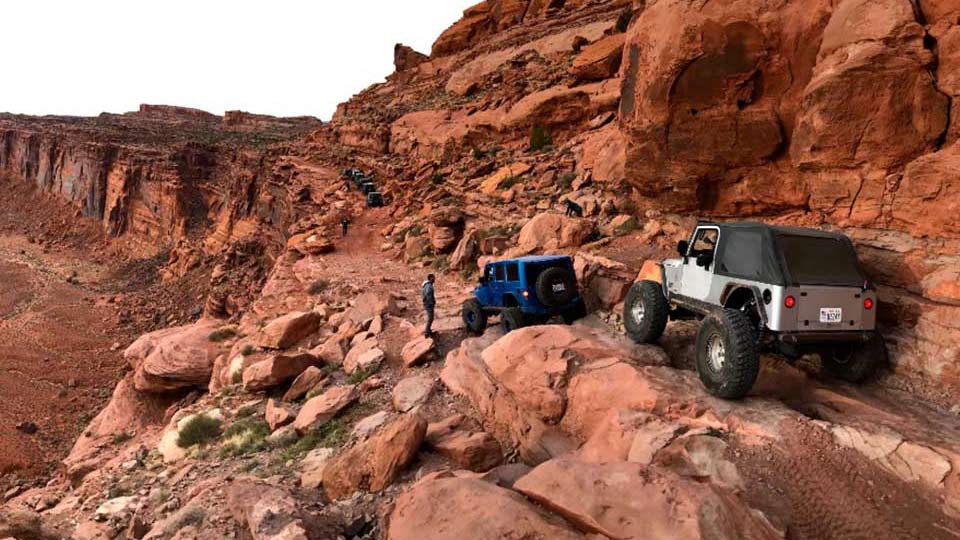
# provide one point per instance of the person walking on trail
(344, 224)
(429, 303)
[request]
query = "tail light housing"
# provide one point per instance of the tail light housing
(789, 302)
(868, 303)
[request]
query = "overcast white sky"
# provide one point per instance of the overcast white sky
(280, 57)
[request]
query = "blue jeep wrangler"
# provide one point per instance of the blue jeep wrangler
(525, 291)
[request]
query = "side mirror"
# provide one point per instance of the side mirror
(705, 260)
(682, 247)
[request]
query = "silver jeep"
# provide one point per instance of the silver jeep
(758, 288)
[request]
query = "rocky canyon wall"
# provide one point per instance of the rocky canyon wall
(816, 112)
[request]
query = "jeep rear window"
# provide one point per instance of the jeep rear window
(513, 273)
(813, 260)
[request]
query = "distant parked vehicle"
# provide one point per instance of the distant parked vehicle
(525, 291)
(374, 199)
(367, 188)
(758, 287)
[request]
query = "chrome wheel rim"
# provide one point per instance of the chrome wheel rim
(716, 352)
(637, 311)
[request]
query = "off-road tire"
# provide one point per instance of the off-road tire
(647, 295)
(556, 286)
(511, 319)
(856, 363)
(474, 318)
(575, 313)
(733, 376)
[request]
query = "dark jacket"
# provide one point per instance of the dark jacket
(426, 294)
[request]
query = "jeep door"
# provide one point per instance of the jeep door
(695, 278)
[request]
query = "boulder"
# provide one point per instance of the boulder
(313, 466)
(466, 251)
(599, 60)
(321, 409)
(551, 231)
(278, 415)
(276, 370)
(330, 351)
(268, 512)
(367, 426)
(304, 382)
(374, 464)
(446, 508)
(492, 183)
(174, 359)
(417, 351)
(351, 361)
(365, 359)
(474, 451)
(313, 242)
(629, 500)
(289, 329)
(412, 392)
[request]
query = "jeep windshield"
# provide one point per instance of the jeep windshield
(816, 260)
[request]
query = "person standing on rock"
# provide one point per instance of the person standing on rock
(344, 225)
(429, 303)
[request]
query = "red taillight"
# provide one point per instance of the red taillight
(789, 301)
(867, 303)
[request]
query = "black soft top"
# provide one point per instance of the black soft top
(782, 255)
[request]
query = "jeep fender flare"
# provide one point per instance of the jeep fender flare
(735, 288)
(653, 271)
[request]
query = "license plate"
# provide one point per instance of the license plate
(831, 315)
(559, 287)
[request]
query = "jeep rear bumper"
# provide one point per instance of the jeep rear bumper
(812, 338)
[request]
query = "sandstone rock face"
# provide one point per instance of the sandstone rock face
(599, 60)
(323, 408)
(276, 370)
(128, 411)
(289, 329)
(553, 231)
(624, 500)
(374, 464)
(405, 58)
(278, 415)
(469, 508)
(174, 358)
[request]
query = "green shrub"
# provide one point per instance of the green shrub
(439, 178)
(318, 287)
(200, 429)
(361, 375)
(247, 350)
(222, 334)
(246, 411)
(330, 435)
(190, 516)
(122, 437)
(246, 436)
(540, 138)
(478, 153)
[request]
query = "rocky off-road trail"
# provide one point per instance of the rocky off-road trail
(272, 380)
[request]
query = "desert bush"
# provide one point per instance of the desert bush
(246, 436)
(200, 429)
(222, 334)
(540, 138)
(318, 287)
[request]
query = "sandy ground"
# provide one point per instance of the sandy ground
(56, 360)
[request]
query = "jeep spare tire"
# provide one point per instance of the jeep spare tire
(556, 286)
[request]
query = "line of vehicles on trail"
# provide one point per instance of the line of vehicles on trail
(364, 184)
(753, 287)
